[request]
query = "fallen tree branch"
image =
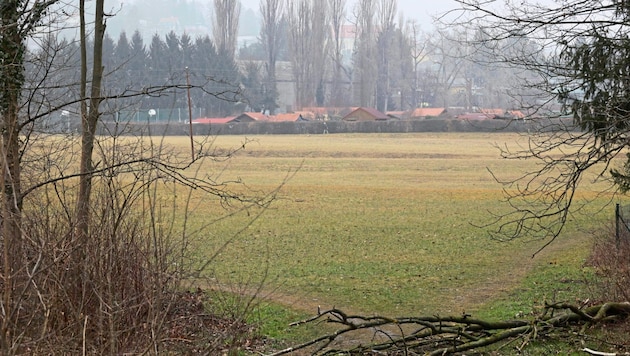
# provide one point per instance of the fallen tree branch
(436, 335)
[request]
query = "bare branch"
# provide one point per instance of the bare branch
(435, 335)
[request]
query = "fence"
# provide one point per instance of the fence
(156, 115)
(175, 127)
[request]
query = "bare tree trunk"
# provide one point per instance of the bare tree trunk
(11, 187)
(17, 21)
(12, 79)
(89, 116)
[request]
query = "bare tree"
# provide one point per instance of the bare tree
(402, 66)
(337, 20)
(89, 112)
(446, 53)
(272, 39)
(308, 43)
(364, 57)
(299, 22)
(225, 25)
(18, 21)
(319, 48)
(385, 41)
(578, 52)
(418, 52)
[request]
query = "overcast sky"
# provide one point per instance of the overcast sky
(421, 10)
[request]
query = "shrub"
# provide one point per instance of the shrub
(611, 259)
(121, 289)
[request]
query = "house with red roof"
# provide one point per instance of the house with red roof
(251, 117)
(325, 112)
(365, 114)
(423, 113)
(213, 120)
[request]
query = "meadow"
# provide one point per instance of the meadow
(384, 224)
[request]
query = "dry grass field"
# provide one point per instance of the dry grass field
(380, 223)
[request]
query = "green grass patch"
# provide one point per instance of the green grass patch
(385, 224)
(545, 284)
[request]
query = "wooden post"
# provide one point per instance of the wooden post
(192, 143)
(617, 227)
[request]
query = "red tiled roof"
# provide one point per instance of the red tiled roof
(500, 113)
(376, 115)
(424, 112)
(251, 116)
(212, 120)
(256, 115)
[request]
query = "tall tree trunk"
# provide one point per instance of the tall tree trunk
(12, 50)
(89, 115)
(89, 119)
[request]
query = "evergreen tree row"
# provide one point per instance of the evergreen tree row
(132, 67)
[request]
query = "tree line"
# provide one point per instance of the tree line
(131, 67)
(369, 54)
(333, 54)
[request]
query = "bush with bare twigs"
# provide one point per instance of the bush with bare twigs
(124, 288)
(611, 259)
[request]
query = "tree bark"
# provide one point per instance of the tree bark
(18, 21)
(89, 117)
(12, 50)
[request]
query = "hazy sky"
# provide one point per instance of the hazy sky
(421, 10)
